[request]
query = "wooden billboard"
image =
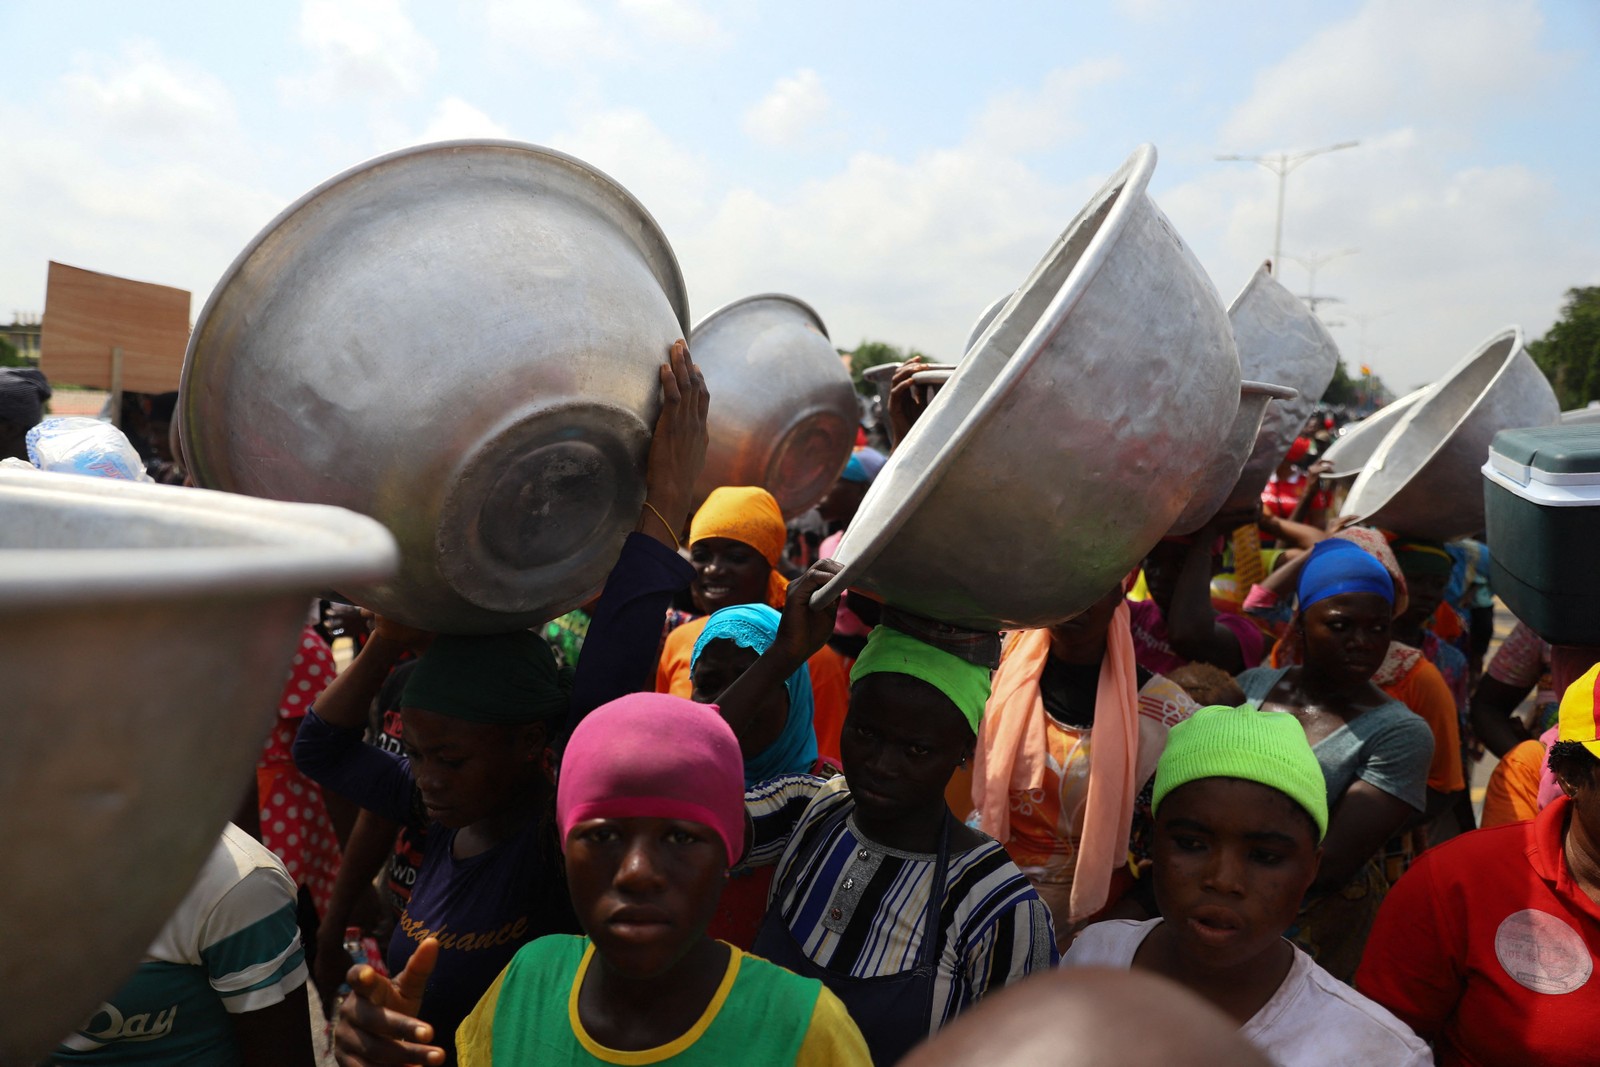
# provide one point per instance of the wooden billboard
(93, 321)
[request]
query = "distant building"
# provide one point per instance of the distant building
(23, 334)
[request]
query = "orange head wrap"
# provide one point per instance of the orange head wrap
(747, 514)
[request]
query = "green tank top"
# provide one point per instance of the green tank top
(759, 1014)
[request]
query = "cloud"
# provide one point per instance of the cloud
(453, 118)
(680, 21)
(566, 32)
(674, 183)
(140, 94)
(1395, 61)
(1021, 121)
(794, 107)
(367, 49)
(908, 251)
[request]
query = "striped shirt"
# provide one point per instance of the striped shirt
(231, 947)
(856, 907)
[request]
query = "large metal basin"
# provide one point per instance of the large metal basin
(1424, 480)
(461, 340)
(148, 631)
(1280, 340)
(984, 319)
(1581, 416)
(786, 412)
(1070, 437)
(1221, 474)
(1356, 445)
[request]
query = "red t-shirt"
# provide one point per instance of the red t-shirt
(1487, 948)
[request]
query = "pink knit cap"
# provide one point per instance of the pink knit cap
(652, 755)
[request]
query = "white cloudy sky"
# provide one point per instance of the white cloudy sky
(896, 164)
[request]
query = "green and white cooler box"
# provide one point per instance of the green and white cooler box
(1542, 508)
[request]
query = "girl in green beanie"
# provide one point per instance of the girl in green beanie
(1241, 808)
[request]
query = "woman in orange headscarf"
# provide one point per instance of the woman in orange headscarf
(1069, 740)
(735, 541)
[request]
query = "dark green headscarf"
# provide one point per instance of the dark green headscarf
(510, 679)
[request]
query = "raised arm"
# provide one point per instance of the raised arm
(624, 641)
(802, 631)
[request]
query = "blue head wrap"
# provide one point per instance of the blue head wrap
(755, 626)
(1336, 566)
(864, 465)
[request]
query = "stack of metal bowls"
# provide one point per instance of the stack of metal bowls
(461, 340)
(1069, 438)
(1282, 341)
(1424, 479)
(148, 635)
(786, 411)
(1350, 452)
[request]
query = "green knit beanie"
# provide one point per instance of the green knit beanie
(1268, 747)
(510, 679)
(888, 651)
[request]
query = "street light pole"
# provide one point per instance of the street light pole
(1281, 163)
(1312, 263)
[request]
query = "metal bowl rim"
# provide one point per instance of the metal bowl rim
(1274, 392)
(1131, 181)
(1518, 347)
(784, 298)
(284, 546)
(676, 291)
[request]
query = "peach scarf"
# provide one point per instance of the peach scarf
(1013, 747)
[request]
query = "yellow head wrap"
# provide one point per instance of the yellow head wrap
(747, 514)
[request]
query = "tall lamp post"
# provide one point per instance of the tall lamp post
(1312, 263)
(1281, 163)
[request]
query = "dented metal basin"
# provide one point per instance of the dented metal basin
(1424, 480)
(1070, 437)
(463, 341)
(784, 410)
(149, 630)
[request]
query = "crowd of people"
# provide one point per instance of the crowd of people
(704, 819)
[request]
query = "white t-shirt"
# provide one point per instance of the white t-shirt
(1313, 1020)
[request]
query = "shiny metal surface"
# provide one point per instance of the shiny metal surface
(784, 410)
(984, 319)
(1070, 437)
(461, 340)
(1217, 482)
(1280, 340)
(1424, 480)
(1581, 416)
(1350, 452)
(148, 636)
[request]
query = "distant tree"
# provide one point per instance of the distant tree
(1342, 389)
(9, 356)
(1569, 353)
(870, 354)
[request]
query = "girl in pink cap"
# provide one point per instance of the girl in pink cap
(650, 810)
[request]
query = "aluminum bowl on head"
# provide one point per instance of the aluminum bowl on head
(1069, 438)
(1351, 450)
(784, 410)
(1424, 480)
(881, 376)
(148, 635)
(461, 340)
(1582, 416)
(1222, 473)
(1280, 340)
(984, 319)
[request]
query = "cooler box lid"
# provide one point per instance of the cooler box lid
(1556, 466)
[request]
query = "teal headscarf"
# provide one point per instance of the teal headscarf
(892, 652)
(511, 679)
(755, 626)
